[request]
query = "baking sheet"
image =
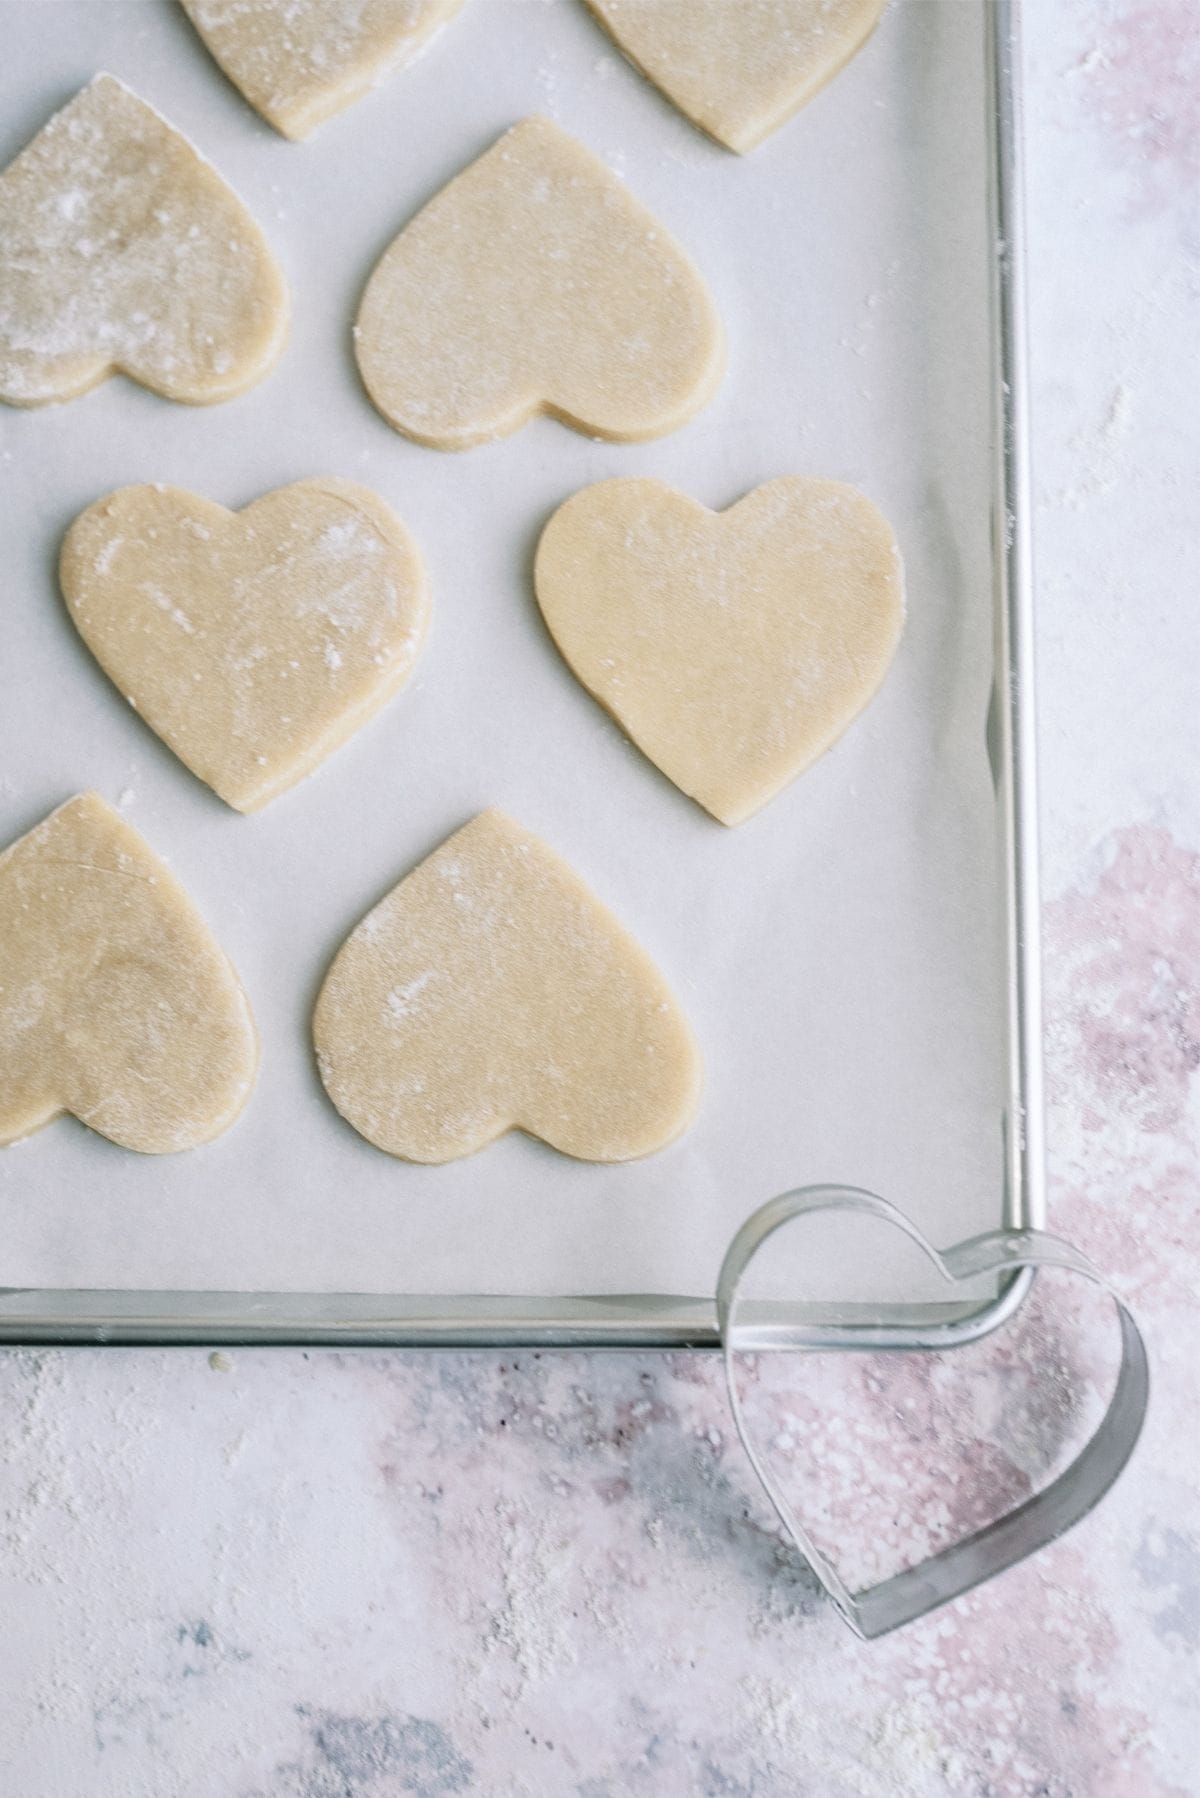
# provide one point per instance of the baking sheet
(840, 956)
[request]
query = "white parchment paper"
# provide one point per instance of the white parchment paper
(839, 955)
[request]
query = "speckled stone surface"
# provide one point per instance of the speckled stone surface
(362, 1575)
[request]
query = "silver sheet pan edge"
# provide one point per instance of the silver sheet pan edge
(58, 1316)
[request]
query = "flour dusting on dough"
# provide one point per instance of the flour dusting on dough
(404, 1001)
(739, 68)
(535, 282)
(300, 61)
(275, 632)
(116, 1004)
(733, 647)
(490, 991)
(96, 278)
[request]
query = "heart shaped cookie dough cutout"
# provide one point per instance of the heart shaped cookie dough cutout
(491, 991)
(125, 253)
(116, 1004)
(734, 647)
(299, 64)
(253, 642)
(535, 282)
(739, 68)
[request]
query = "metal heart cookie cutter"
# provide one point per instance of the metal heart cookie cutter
(1019, 1532)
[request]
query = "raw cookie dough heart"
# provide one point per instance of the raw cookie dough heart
(734, 647)
(253, 642)
(299, 64)
(116, 1004)
(535, 282)
(124, 252)
(491, 991)
(739, 68)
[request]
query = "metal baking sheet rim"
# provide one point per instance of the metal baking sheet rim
(643, 1320)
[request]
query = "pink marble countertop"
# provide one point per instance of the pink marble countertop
(287, 1575)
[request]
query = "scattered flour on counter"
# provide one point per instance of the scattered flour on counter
(533, 1622)
(1100, 454)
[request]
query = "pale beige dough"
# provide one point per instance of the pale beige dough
(253, 642)
(116, 1003)
(734, 647)
(300, 61)
(739, 68)
(124, 252)
(535, 282)
(491, 991)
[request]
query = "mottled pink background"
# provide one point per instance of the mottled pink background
(365, 1575)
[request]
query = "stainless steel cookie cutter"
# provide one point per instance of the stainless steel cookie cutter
(1021, 1531)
